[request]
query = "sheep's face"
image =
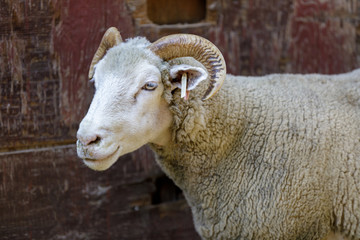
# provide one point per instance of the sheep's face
(127, 110)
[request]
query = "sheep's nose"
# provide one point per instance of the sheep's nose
(88, 139)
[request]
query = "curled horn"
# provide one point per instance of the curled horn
(110, 39)
(201, 49)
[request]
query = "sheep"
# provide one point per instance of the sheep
(271, 157)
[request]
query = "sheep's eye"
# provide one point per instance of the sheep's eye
(150, 86)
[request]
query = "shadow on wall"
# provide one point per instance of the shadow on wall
(176, 12)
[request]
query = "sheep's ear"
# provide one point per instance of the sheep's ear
(193, 75)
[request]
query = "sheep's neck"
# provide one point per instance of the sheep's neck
(196, 152)
(164, 138)
(197, 155)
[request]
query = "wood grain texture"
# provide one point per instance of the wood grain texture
(260, 37)
(49, 194)
(329, 27)
(47, 49)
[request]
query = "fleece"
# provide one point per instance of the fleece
(272, 157)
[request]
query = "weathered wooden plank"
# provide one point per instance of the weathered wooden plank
(162, 222)
(29, 101)
(323, 36)
(80, 27)
(49, 194)
(46, 48)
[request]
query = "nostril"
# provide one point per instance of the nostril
(97, 140)
(88, 140)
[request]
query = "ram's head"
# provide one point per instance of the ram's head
(128, 109)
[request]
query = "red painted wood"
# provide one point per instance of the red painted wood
(323, 37)
(77, 29)
(49, 194)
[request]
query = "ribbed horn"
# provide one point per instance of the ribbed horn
(110, 39)
(201, 49)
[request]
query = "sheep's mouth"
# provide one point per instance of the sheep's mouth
(102, 163)
(102, 159)
(92, 159)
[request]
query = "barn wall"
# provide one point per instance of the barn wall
(45, 50)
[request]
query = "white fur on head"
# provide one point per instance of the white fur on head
(124, 114)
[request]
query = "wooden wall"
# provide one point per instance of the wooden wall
(45, 49)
